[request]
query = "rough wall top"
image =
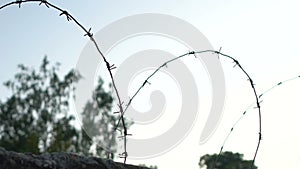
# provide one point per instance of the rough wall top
(14, 160)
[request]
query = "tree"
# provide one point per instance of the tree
(98, 123)
(35, 117)
(151, 166)
(226, 160)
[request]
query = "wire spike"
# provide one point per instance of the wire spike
(219, 52)
(165, 65)
(191, 53)
(19, 2)
(88, 33)
(44, 2)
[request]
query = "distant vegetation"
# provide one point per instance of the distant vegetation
(35, 117)
(227, 160)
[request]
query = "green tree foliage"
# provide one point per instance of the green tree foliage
(227, 160)
(98, 123)
(35, 117)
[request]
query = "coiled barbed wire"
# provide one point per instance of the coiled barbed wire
(194, 54)
(88, 33)
(109, 67)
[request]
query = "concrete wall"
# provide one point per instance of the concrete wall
(13, 160)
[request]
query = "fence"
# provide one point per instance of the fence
(123, 107)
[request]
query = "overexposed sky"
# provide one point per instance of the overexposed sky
(262, 35)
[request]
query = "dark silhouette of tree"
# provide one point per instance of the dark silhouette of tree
(151, 166)
(98, 123)
(35, 117)
(227, 160)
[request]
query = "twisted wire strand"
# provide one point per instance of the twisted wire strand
(109, 67)
(250, 107)
(194, 54)
(88, 33)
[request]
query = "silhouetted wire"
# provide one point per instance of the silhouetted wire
(88, 33)
(250, 107)
(109, 67)
(198, 52)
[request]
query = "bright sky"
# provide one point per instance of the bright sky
(262, 35)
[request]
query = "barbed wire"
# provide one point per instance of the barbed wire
(88, 33)
(109, 67)
(194, 54)
(250, 107)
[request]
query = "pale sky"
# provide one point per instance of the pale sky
(262, 35)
